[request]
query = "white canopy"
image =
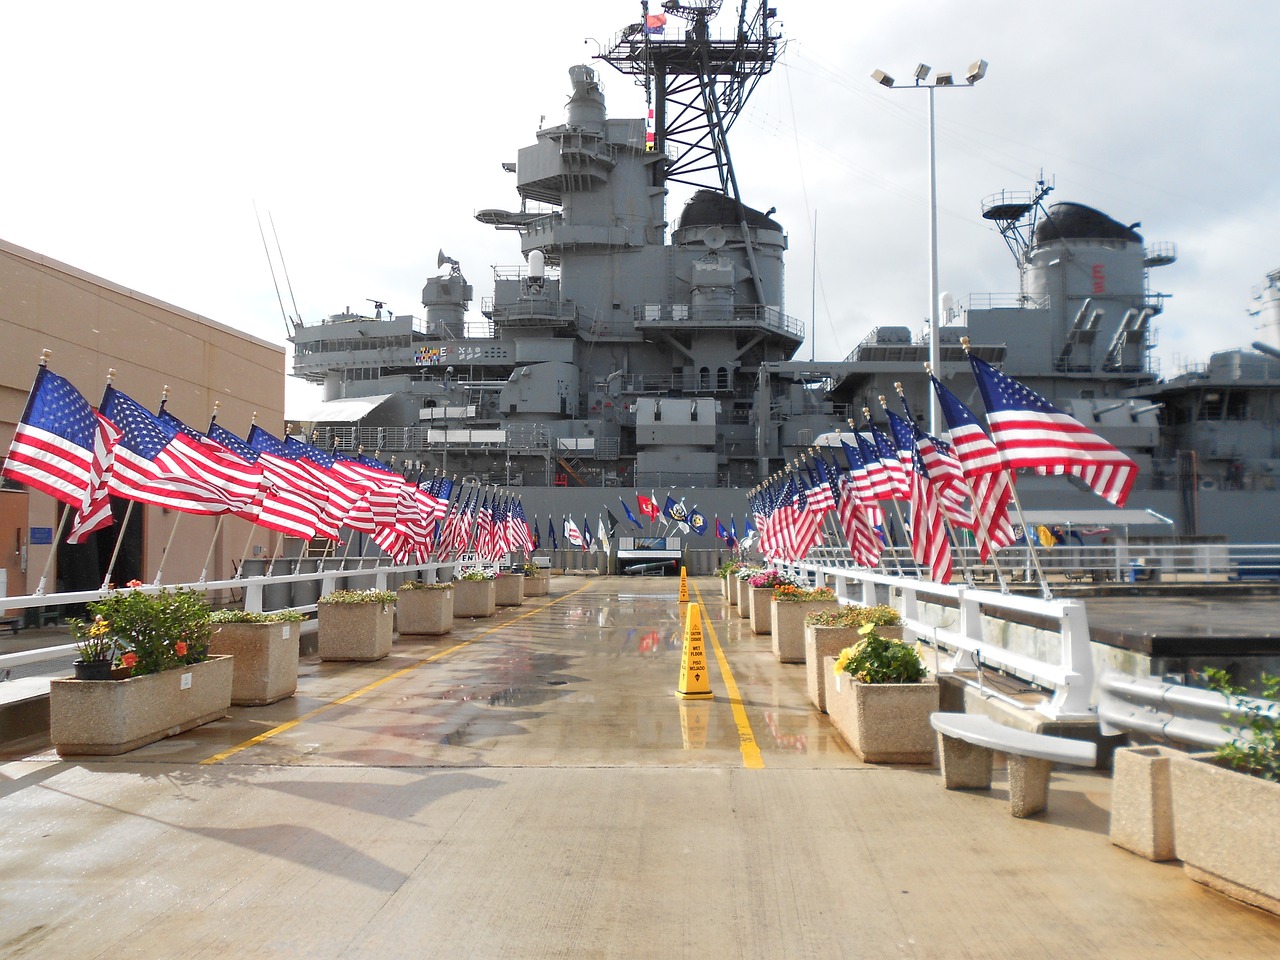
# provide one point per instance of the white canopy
(1094, 518)
(333, 411)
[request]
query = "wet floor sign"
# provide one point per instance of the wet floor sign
(684, 586)
(695, 684)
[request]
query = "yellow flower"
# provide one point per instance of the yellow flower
(100, 627)
(842, 661)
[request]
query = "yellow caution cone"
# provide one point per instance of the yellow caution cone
(695, 683)
(684, 586)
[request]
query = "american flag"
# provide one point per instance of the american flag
(300, 478)
(858, 521)
(53, 445)
(484, 529)
(888, 459)
(990, 484)
(1029, 431)
(95, 510)
(284, 509)
(929, 544)
(154, 463)
(818, 489)
(526, 533)
(941, 469)
(345, 494)
(860, 472)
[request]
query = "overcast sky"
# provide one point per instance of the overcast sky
(140, 136)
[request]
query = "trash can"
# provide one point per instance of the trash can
(1134, 567)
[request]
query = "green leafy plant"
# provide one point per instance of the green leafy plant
(531, 570)
(153, 631)
(791, 593)
(351, 597)
(409, 585)
(250, 616)
(1258, 753)
(728, 569)
(875, 659)
(880, 615)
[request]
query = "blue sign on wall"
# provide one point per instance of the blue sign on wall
(42, 535)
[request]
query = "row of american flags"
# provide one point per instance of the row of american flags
(83, 457)
(966, 484)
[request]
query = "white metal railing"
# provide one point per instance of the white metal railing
(255, 594)
(1044, 642)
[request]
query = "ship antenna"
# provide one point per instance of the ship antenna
(272, 267)
(284, 269)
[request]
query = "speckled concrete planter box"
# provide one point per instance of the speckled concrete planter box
(424, 612)
(474, 598)
(537, 586)
(882, 722)
(265, 660)
(1226, 829)
(731, 590)
(819, 644)
(743, 592)
(104, 718)
(1142, 802)
(355, 631)
(760, 608)
(508, 590)
(787, 617)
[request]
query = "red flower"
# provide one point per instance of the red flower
(134, 583)
(180, 648)
(129, 659)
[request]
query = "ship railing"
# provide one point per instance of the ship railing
(717, 316)
(1003, 301)
(1043, 642)
(1166, 709)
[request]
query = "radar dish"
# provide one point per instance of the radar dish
(714, 237)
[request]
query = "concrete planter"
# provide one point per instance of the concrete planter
(882, 722)
(787, 619)
(508, 590)
(1226, 829)
(265, 658)
(731, 590)
(474, 598)
(104, 718)
(760, 608)
(537, 586)
(743, 591)
(1142, 802)
(355, 631)
(819, 644)
(427, 611)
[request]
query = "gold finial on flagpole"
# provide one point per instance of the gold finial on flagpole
(45, 354)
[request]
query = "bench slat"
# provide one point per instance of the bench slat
(985, 732)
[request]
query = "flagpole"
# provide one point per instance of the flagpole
(1026, 533)
(167, 547)
(53, 551)
(124, 525)
(217, 528)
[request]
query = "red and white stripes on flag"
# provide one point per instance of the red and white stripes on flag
(95, 510)
(929, 544)
(858, 521)
(1029, 431)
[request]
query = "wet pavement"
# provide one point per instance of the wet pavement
(530, 786)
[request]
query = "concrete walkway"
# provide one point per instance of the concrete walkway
(529, 786)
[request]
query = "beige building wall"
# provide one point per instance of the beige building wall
(92, 325)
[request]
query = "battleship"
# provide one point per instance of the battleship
(622, 353)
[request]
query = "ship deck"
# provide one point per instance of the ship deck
(529, 786)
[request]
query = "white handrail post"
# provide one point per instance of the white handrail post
(253, 595)
(1072, 698)
(971, 629)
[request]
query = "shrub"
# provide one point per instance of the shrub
(249, 616)
(419, 585)
(855, 616)
(349, 597)
(875, 659)
(1257, 753)
(151, 631)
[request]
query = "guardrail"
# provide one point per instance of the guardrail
(1044, 642)
(1173, 712)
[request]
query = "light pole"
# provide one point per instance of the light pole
(976, 72)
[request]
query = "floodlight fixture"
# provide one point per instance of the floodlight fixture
(922, 72)
(882, 78)
(944, 80)
(977, 70)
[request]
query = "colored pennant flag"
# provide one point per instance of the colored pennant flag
(551, 535)
(630, 516)
(648, 505)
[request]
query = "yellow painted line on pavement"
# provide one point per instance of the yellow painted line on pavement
(751, 757)
(439, 655)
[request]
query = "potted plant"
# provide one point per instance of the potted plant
(508, 589)
(168, 682)
(537, 581)
(96, 647)
(355, 624)
(424, 608)
(760, 598)
(743, 589)
(264, 648)
(475, 594)
(790, 604)
(830, 630)
(728, 583)
(1226, 804)
(880, 699)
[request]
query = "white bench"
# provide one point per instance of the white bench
(966, 742)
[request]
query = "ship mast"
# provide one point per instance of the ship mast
(696, 86)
